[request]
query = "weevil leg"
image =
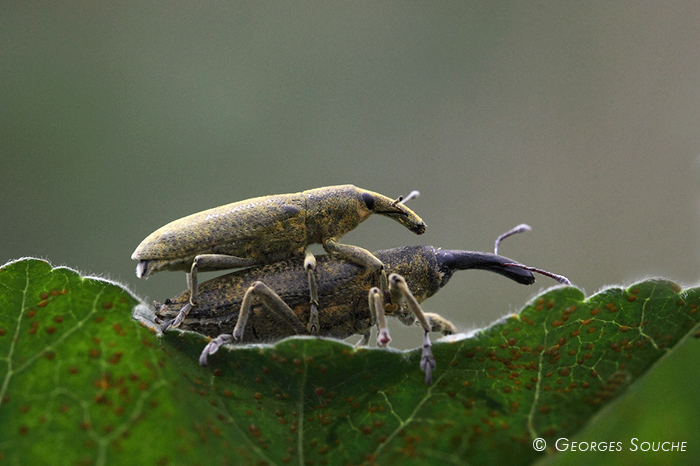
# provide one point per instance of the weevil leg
(440, 324)
(427, 361)
(405, 316)
(272, 302)
(310, 267)
(204, 262)
(213, 346)
(175, 323)
(399, 291)
(365, 339)
(359, 256)
(209, 262)
(376, 307)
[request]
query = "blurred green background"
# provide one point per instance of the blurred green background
(579, 118)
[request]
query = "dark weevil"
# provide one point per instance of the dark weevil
(344, 297)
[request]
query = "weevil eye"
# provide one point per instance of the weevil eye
(369, 200)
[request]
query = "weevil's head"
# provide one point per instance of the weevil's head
(375, 203)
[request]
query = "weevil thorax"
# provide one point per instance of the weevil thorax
(419, 267)
(333, 211)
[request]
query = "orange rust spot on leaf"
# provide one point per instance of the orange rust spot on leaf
(107, 305)
(43, 303)
(115, 358)
(31, 313)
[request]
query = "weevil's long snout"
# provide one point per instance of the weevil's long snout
(451, 260)
(397, 210)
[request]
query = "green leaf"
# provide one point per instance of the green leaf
(83, 383)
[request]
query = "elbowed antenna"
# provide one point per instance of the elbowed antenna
(522, 228)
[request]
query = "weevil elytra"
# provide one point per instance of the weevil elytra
(229, 312)
(267, 229)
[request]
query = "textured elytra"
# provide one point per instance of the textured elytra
(101, 389)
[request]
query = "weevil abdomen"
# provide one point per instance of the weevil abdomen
(341, 296)
(265, 229)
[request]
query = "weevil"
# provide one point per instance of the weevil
(350, 302)
(268, 229)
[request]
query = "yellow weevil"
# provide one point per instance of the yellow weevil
(350, 303)
(267, 229)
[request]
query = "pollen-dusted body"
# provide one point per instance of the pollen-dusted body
(267, 229)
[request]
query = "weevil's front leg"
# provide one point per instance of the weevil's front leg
(205, 262)
(359, 256)
(310, 267)
(398, 289)
(272, 302)
(376, 308)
